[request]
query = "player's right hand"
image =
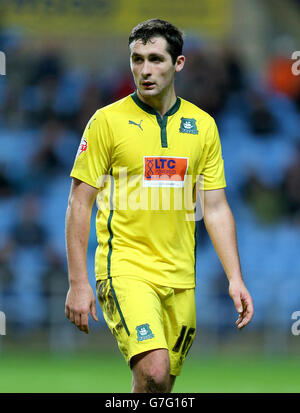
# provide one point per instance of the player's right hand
(80, 302)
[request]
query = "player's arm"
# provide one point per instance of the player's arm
(220, 226)
(80, 299)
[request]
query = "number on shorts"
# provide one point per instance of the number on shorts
(187, 341)
(179, 341)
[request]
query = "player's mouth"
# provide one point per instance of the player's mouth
(148, 85)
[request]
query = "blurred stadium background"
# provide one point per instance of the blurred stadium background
(66, 59)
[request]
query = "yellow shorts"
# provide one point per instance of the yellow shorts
(144, 316)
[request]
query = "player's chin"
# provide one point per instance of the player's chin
(148, 92)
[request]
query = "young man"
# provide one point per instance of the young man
(145, 148)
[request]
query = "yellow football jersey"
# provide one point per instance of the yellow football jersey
(146, 168)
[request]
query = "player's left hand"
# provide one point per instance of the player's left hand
(80, 302)
(242, 301)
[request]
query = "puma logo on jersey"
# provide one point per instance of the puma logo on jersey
(136, 124)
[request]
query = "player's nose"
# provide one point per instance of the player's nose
(146, 70)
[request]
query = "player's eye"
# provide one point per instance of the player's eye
(137, 59)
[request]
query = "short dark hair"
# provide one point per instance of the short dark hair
(156, 27)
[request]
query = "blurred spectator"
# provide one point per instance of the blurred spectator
(54, 286)
(279, 75)
(261, 119)
(28, 231)
(291, 188)
(55, 277)
(18, 56)
(225, 311)
(48, 66)
(23, 260)
(234, 68)
(266, 201)
(124, 86)
(205, 82)
(6, 274)
(91, 100)
(7, 188)
(46, 163)
(41, 92)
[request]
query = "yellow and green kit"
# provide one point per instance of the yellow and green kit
(146, 168)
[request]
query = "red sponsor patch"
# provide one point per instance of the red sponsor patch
(164, 171)
(82, 147)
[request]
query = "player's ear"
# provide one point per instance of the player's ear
(179, 63)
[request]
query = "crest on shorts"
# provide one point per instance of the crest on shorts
(188, 125)
(144, 332)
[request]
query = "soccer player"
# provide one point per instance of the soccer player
(145, 154)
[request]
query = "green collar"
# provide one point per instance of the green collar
(149, 109)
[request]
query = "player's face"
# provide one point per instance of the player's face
(152, 66)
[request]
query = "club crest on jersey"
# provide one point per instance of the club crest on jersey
(188, 126)
(164, 171)
(144, 332)
(82, 146)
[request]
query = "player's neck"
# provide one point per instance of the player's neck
(160, 103)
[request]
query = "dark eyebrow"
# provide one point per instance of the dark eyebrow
(150, 55)
(157, 55)
(135, 55)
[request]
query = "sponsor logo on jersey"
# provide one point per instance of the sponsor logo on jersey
(188, 126)
(136, 124)
(144, 332)
(164, 171)
(82, 147)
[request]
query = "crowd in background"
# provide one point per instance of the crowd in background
(44, 108)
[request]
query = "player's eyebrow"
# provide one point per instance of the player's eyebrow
(135, 55)
(156, 55)
(151, 55)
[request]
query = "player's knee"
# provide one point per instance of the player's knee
(157, 379)
(151, 372)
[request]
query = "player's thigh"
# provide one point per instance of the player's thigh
(133, 312)
(180, 326)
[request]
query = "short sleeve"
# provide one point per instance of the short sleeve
(212, 164)
(93, 157)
